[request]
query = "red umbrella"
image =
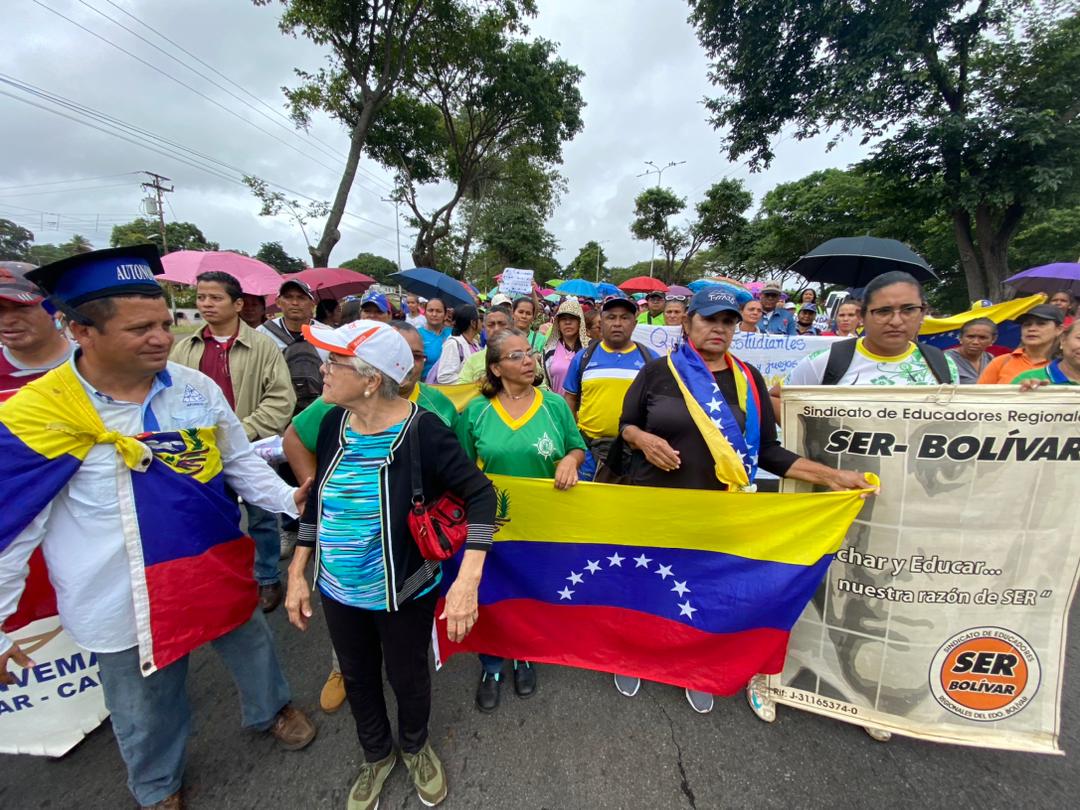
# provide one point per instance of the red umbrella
(255, 277)
(333, 282)
(643, 284)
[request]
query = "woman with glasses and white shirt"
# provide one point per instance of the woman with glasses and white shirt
(518, 429)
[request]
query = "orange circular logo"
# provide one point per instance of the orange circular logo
(985, 673)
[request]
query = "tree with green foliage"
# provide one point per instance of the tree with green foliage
(479, 93)
(590, 263)
(179, 235)
(719, 219)
(273, 254)
(15, 241)
(371, 46)
(378, 267)
(972, 104)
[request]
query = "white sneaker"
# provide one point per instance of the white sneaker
(627, 685)
(757, 696)
(877, 734)
(700, 702)
(288, 544)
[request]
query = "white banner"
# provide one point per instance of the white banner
(776, 355)
(516, 282)
(944, 615)
(662, 340)
(55, 703)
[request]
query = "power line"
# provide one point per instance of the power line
(138, 136)
(182, 83)
(62, 191)
(291, 130)
(73, 180)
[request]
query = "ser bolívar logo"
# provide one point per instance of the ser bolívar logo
(985, 674)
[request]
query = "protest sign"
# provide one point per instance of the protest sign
(516, 282)
(55, 703)
(944, 615)
(775, 355)
(661, 339)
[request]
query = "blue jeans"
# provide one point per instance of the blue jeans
(493, 665)
(151, 717)
(262, 527)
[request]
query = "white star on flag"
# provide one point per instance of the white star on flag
(714, 404)
(642, 561)
(593, 566)
(715, 388)
(664, 571)
(575, 579)
(716, 420)
(742, 456)
(686, 610)
(615, 559)
(680, 588)
(565, 593)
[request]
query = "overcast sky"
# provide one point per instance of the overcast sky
(645, 77)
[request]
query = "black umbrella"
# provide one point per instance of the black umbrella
(854, 260)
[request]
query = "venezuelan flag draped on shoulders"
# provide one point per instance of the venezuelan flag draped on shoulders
(692, 588)
(191, 565)
(945, 332)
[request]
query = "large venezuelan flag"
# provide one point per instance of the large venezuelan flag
(945, 332)
(692, 588)
(191, 565)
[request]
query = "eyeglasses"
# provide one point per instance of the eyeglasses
(674, 297)
(518, 356)
(331, 366)
(908, 313)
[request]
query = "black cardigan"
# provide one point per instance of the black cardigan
(445, 468)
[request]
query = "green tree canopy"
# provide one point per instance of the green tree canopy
(973, 105)
(180, 235)
(590, 263)
(15, 241)
(277, 257)
(378, 267)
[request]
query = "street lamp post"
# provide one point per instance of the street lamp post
(659, 172)
(598, 244)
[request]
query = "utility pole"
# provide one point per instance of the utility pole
(659, 172)
(159, 189)
(397, 226)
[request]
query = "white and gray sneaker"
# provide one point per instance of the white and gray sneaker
(627, 685)
(288, 544)
(757, 695)
(700, 702)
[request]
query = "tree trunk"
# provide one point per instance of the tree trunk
(969, 256)
(994, 234)
(320, 254)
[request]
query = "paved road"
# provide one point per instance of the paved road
(576, 744)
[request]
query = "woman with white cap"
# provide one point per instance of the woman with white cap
(378, 591)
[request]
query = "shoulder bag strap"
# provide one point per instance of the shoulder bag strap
(841, 354)
(281, 333)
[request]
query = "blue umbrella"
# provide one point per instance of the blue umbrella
(428, 283)
(604, 288)
(579, 287)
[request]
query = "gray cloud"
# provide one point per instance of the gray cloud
(645, 77)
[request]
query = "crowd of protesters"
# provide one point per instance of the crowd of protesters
(351, 390)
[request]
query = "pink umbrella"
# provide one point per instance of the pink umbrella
(255, 277)
(333, 282)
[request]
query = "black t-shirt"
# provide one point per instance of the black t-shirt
(654, 404)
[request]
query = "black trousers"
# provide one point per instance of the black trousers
(363, 639)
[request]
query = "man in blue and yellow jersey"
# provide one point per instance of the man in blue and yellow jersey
(599, 376)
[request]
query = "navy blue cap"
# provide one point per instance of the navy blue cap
(101, 274)
(300, 285)
(712, 300)
(377, 298)
(612, 301)
(808, 308)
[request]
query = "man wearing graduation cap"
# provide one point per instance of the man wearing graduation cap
(120, 459)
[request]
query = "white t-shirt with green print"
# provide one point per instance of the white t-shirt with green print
(867, 368)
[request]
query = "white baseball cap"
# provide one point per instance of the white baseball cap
(377, 344)
(500, 298)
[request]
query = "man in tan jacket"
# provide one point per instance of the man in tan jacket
(252, 374)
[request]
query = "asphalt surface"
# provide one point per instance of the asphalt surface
(576, 744)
